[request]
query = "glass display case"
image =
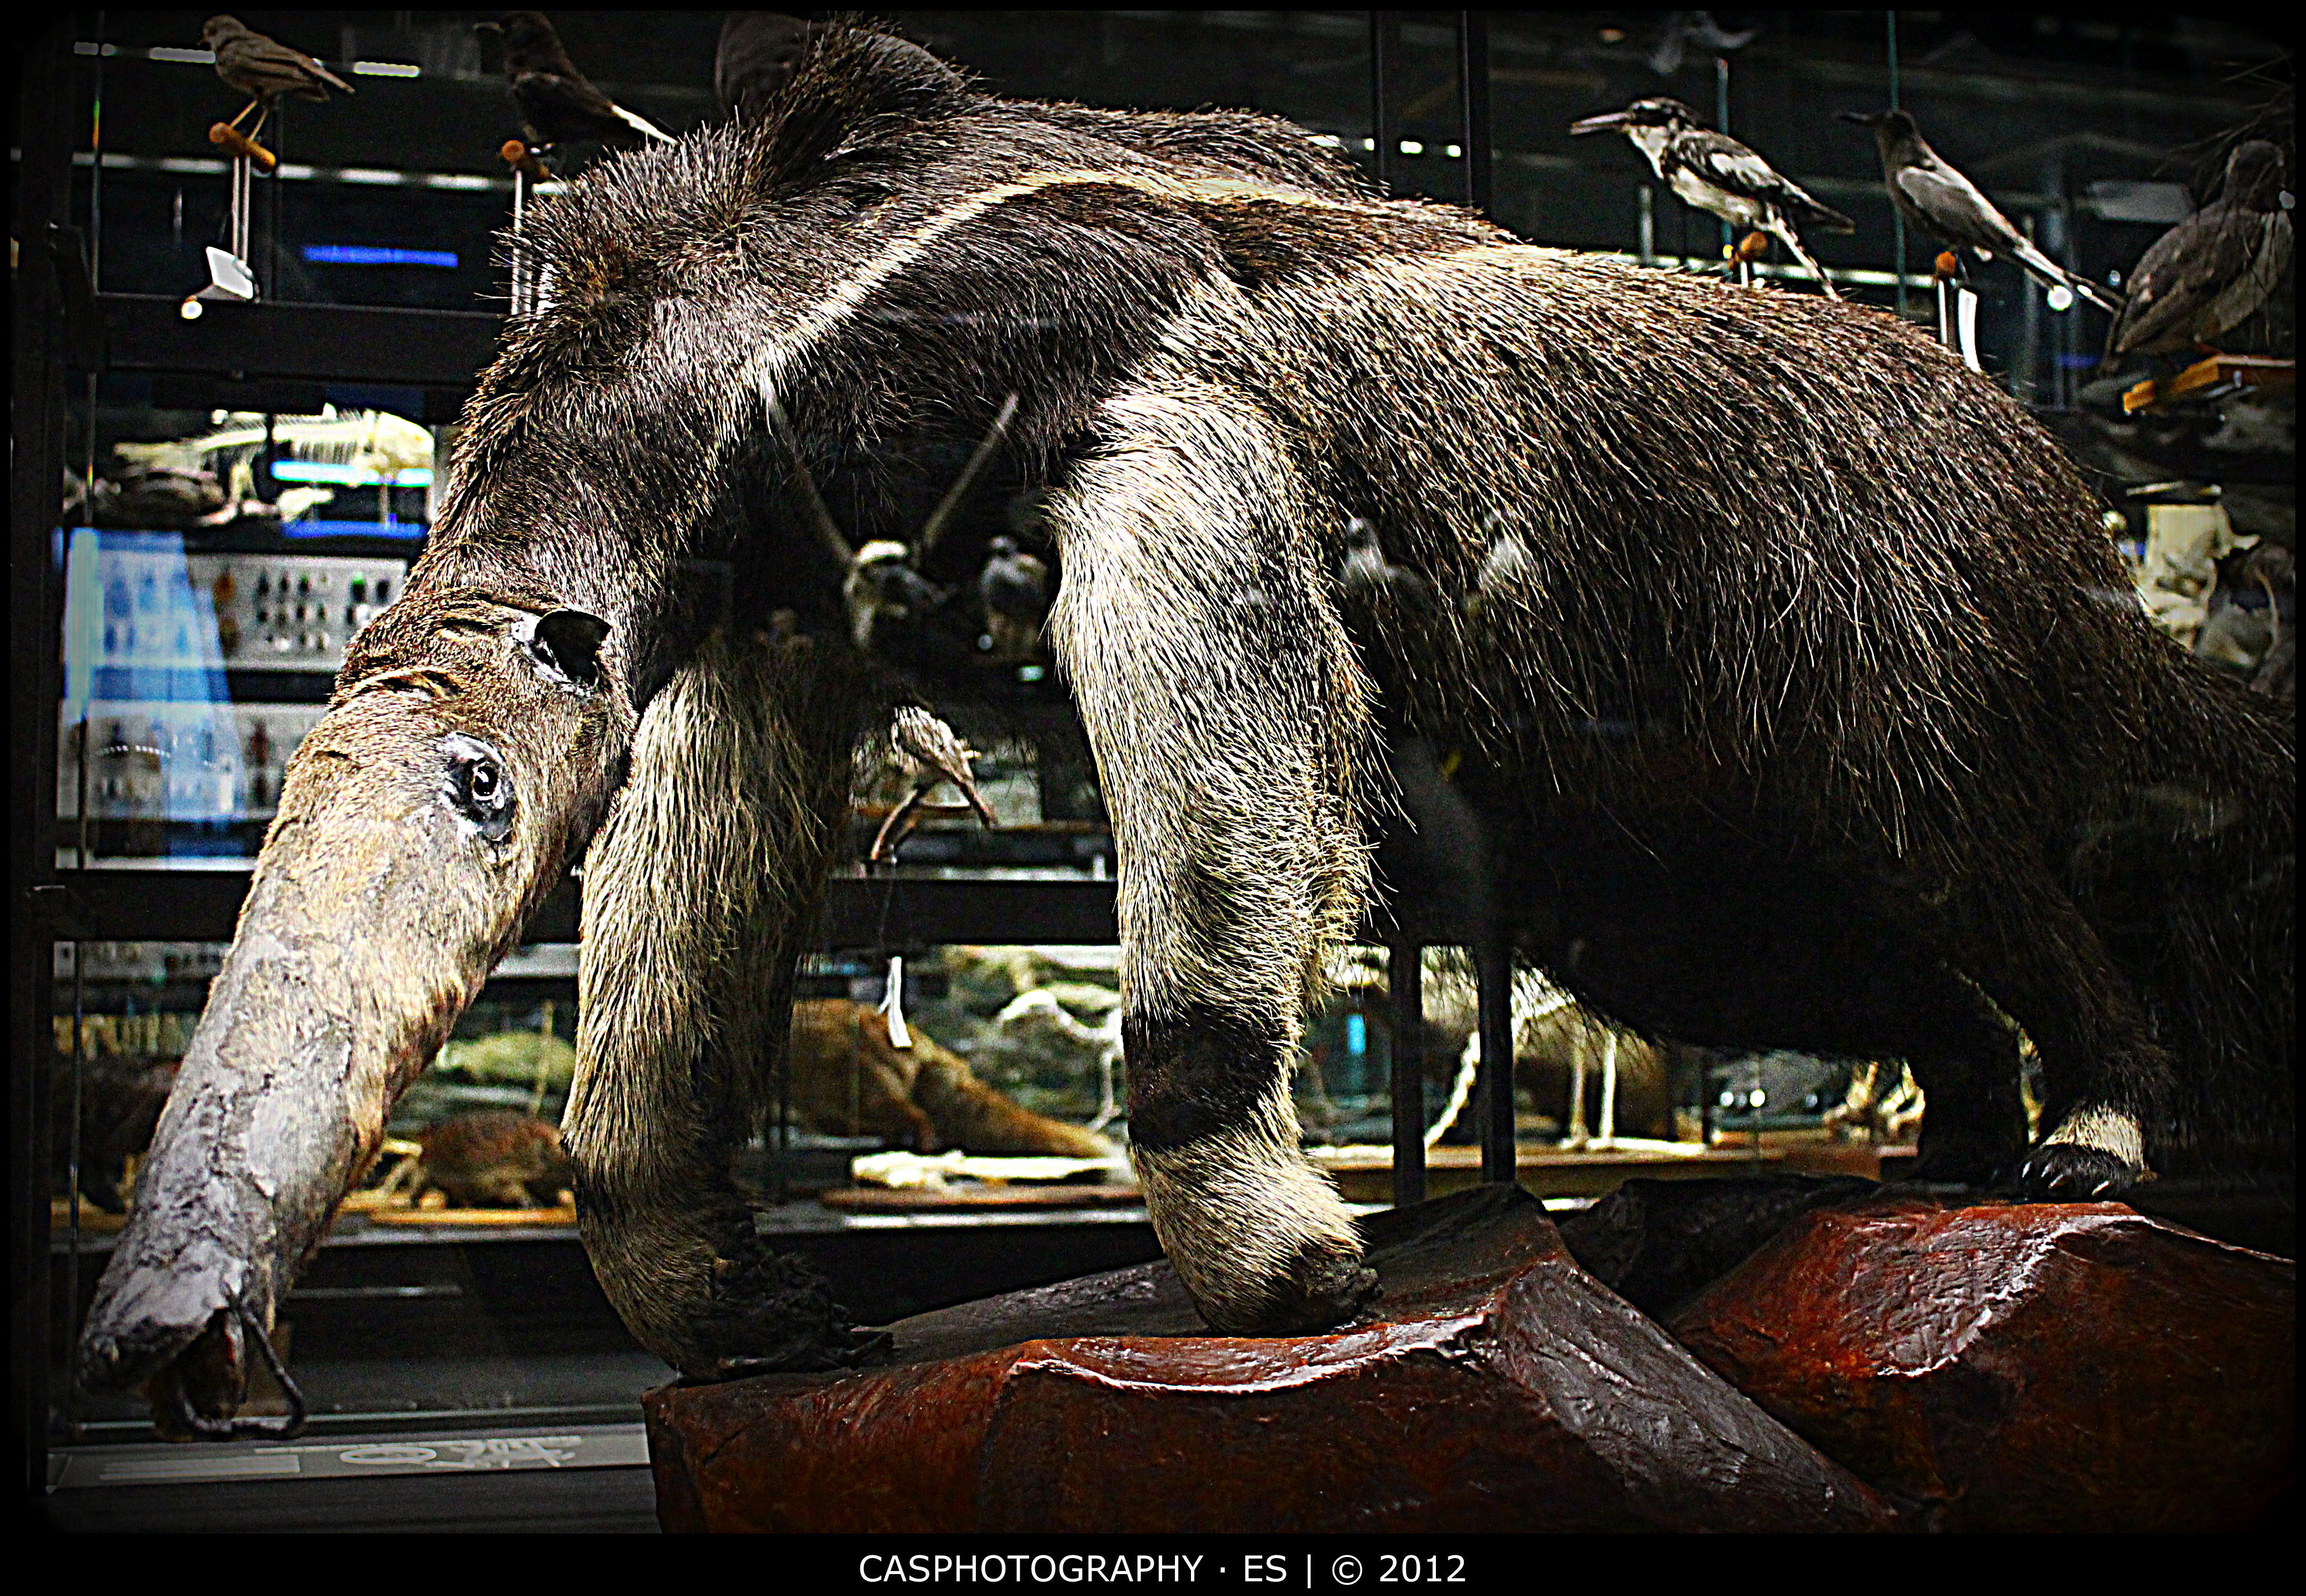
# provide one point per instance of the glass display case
(248, 478)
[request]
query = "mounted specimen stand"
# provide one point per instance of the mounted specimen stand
(1957, 311)
(230, 276)
(528, 169)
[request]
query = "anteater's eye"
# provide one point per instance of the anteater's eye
(477, 786)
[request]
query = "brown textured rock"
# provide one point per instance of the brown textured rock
(1504, 1390)
(2050, 1367)
(1656, 1243)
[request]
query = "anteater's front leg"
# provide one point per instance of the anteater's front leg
(698, 895)
(1224, 710)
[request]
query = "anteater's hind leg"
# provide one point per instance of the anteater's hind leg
(1224, 708)
(2106, 1083)
(697, 890)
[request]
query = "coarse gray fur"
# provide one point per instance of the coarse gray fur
(1783, 661)
(739, 783)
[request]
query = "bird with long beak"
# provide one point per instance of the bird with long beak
(2215, 270)
(1939, 200)
(1715, 173)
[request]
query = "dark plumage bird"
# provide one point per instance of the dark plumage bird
(557, 102)
(1015, 589)
(2215, 270)
(931, 753)
(758, 52)
(1934, 197)
(1715, 173)
(263, 69)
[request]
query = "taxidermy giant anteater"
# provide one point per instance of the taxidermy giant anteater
(1784, 662)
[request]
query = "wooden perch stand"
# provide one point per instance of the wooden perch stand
(233, 142)
(521, 158)
(2216, 377)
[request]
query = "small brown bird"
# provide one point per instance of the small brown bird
(257, 66)
(930, 754)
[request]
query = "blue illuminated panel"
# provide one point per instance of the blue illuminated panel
(368, 255)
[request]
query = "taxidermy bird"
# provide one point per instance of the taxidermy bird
(1364, 572)
(252, 65)
(2215, 270)
(882, 579)
(1934, 197)
(881, 585)
(1715, 173)
(557, 102)
(1507, 566)
(757, 54)
(1014, 587)
(930, 755)
(1377, 591)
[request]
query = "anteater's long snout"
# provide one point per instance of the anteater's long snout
(420, 824)
(278, 1108)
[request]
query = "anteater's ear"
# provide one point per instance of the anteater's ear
(848, 79)
(567, 645)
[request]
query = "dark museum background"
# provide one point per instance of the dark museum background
(470, 1353)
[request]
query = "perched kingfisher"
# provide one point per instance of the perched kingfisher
(1934, 197)
(1715, 171)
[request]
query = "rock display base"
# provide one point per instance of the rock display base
(1658, 1242)
(1936, 1364)
(2048, 1367)
(1502, 1388)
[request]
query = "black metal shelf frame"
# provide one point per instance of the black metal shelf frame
(267, 355)
(124, 905)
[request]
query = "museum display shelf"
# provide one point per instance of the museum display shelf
(900, 911)
(1365, 1174)
(567, 1477)
(399, 1326)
